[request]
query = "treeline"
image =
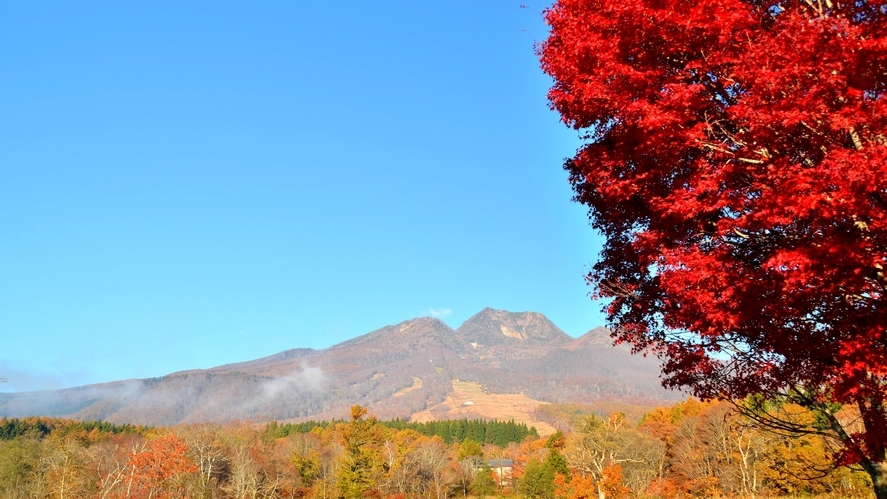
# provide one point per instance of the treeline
(11, 428)
(689, 450)
(495, 432)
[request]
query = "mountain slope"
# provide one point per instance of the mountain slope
(395, 370)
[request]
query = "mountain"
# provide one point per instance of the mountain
(497, 327)
(396, 371)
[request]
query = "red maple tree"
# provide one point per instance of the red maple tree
(736, 164)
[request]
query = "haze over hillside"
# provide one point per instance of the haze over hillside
(397, 371)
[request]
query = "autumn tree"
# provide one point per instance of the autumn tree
(306, 459)
(400, 471)
(434, 473)
(110, 466)
(209, 454)
(246, 478)
(735, 161)
(64, 469)
(325, 483)
(580, 487)
(714, 452)
(605, 450)
(362, 463)
(157, 469)
(801, 464)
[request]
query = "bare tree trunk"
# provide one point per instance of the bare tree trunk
(878, 472)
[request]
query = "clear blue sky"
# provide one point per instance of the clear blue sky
(188, 184)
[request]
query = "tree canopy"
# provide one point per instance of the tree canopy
(735, 163)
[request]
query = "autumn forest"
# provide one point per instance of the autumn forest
(690, 449)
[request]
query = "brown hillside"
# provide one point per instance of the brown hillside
(471, 401)
(508, 353)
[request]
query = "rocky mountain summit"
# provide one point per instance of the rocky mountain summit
(396, 370)
(497, 327)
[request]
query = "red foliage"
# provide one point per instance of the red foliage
(736, 163)
(155, 468)
(666, 488)
(579, 487)
(611, 482)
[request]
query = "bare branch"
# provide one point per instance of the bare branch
(857, 142)
(716, 148)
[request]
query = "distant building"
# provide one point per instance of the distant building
(502, 469)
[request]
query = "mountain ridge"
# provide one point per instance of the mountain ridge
(506, 352)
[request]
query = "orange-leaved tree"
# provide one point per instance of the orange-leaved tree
(158, 469)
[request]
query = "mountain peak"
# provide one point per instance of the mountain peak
(422, 329)
(597, 337)
(495, 327)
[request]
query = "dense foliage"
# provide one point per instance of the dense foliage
(736, 163)
(692, 449)
(500, 433)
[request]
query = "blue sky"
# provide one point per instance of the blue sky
(188, 185)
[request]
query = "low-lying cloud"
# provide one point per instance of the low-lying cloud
(196, 396)
(306, 377)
